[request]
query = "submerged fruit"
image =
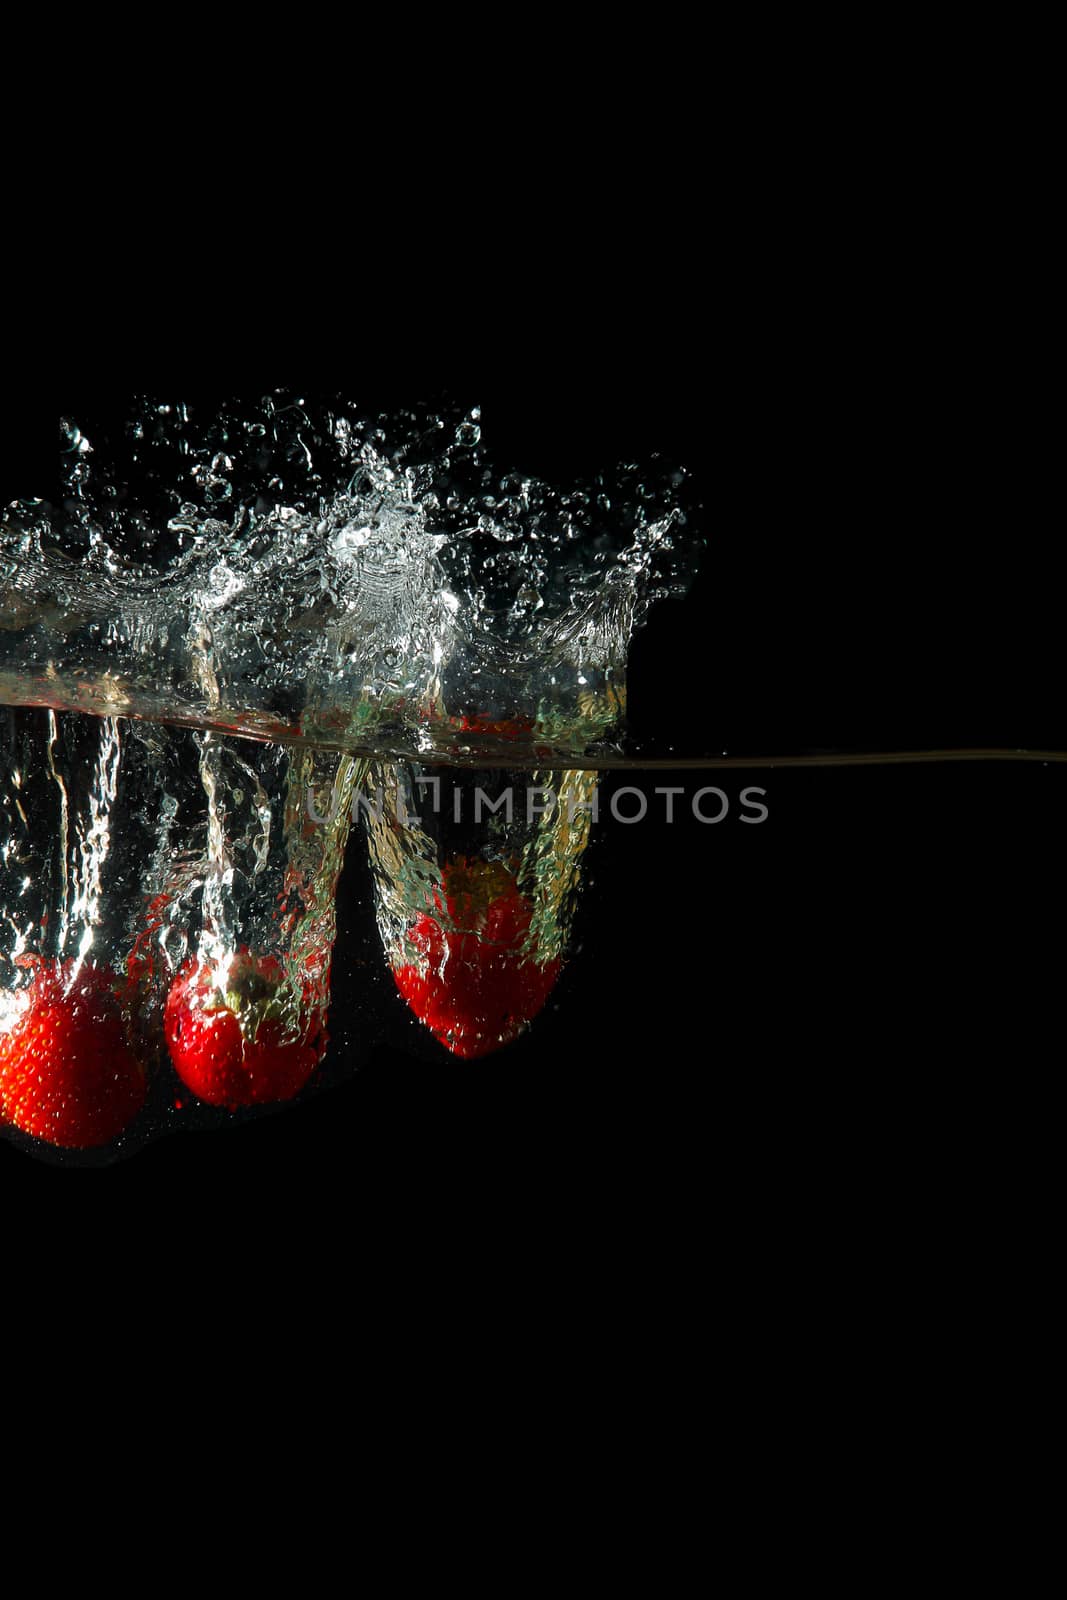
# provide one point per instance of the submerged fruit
(475, 983)
(252, 1045)
(67, 1073)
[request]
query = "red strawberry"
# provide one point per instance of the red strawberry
(478, 988)
(518, 727)
(241, 1048)
(67, 1074)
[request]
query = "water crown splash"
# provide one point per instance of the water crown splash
(299, 574)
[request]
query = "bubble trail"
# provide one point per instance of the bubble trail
(167, 923)
(475, 901)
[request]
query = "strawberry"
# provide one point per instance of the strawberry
(473, 984)
(518, 727)
(67, 1073)
(240, 1048)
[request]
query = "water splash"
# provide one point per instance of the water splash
(307, 573)
(338, 589)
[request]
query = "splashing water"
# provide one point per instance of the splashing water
(305, 574)
(359, 598)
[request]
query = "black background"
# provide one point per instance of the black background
(868, 970)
